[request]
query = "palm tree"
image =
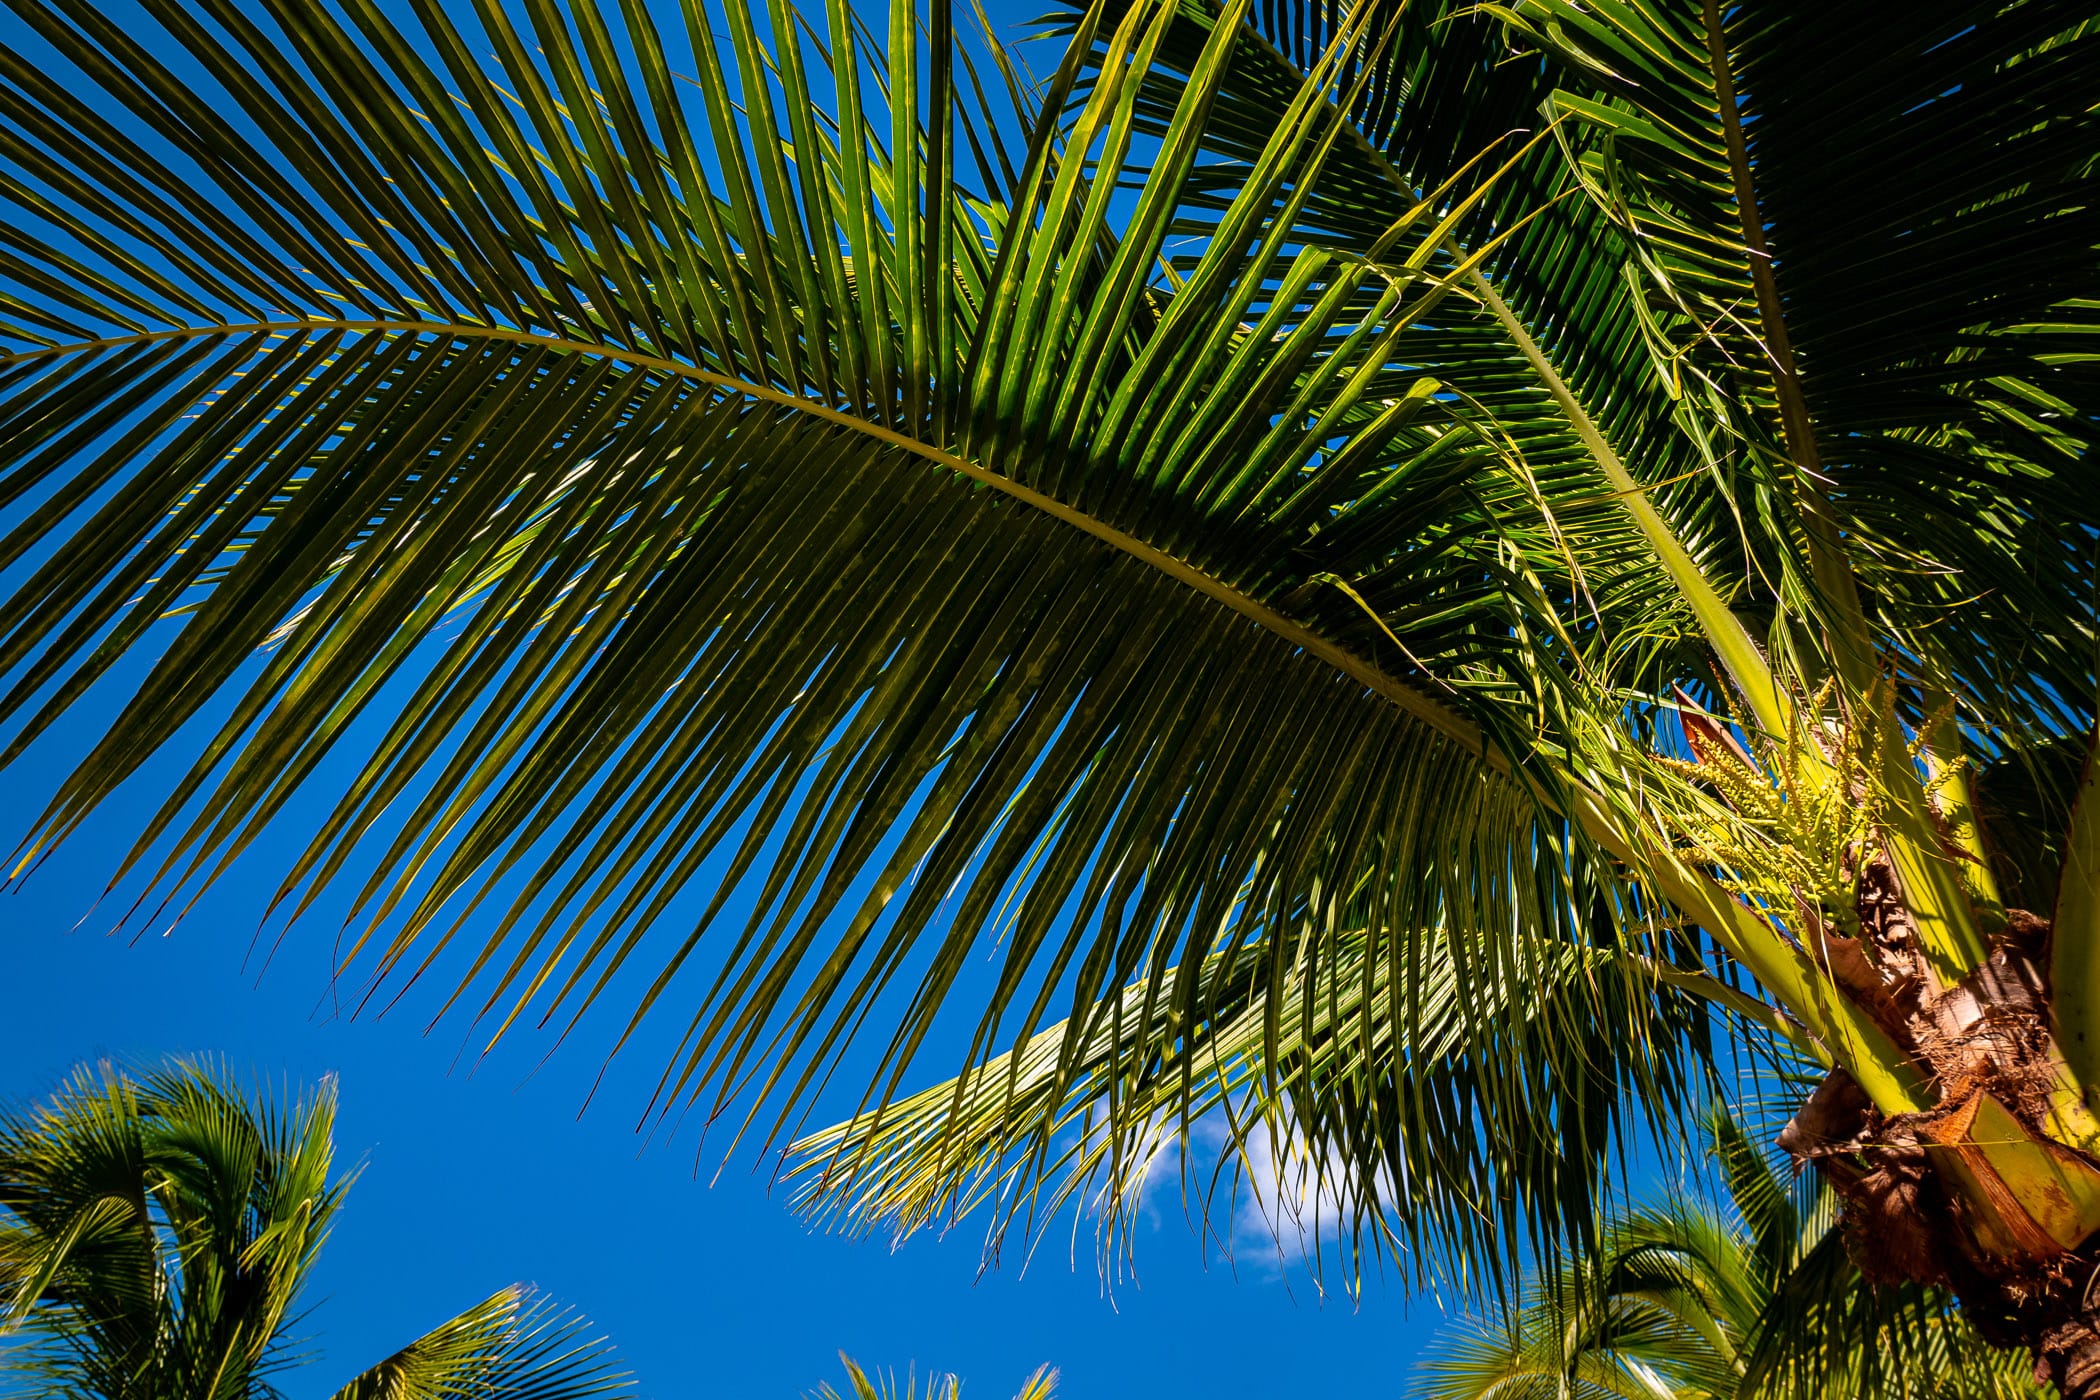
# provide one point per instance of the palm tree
(861, 1386)
(157, 1231)
(1690, 1300)
(1423, 572)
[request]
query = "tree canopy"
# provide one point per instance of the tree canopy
(157, 1234)
(1407, 569)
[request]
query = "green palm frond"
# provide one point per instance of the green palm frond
(157, 1230)
(1224, 529)
(1885, 220)
(1042, 1385)
(1766, 387)
(896, 546)
(1755, 1298)
(1289, 1047)
(1457, 105)
(504, 1348)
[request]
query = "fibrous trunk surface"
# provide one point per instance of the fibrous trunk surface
(1926, 1197)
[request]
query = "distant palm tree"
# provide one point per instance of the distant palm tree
(1689, 1300)
(862, 1386)
(1405, 568)
(156, 1233)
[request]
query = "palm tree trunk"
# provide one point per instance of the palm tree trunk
(2069, 1357)
(1980, 1194)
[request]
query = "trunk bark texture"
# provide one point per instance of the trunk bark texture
(1926, 1196)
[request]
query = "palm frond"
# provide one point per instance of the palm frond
(1889, 218)
(506, 1347)
(157, 1230)
(1738, 308)
(691, 494)
(1208, 538)
(1370, 1098)
(1757, 1297)
(860, 1385)
(1463, 108)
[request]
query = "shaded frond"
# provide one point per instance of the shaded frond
(1887, 219)
(1689, 1299)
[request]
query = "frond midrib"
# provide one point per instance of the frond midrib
(1439, 717)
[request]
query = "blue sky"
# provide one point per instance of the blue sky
(477, 1173)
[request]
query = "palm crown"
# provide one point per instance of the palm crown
(157, 1232)
(1751, 1295)
(860, 1385)
(1237, 517)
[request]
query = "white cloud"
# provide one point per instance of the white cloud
(1266, 1204)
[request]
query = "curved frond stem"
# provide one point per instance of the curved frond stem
(1833, 572)
(1746, 666)
(1947, 919)
(1707, 987)
(1436, 715)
